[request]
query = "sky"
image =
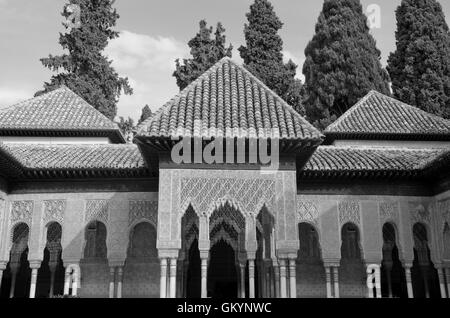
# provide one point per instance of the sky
(153, 33)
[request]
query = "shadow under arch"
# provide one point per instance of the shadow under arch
(424, 275)
(393, 278)
(190, 255)
(141, 272)
(311, 278)
(352, 274)
(227, 237)
(17, 276)
(50, 280)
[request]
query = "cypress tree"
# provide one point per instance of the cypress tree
(420, 67)
(84, 69)
(342, 62)
(145, 113)
(263, 54)
(205, 51)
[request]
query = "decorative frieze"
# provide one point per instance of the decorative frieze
(96, 210)
(248, 195)
(307, 211)
(444, 211)
(419, 214)
(54, 210)
(143, 210)
(22, 211)
(349, 211)
(389, 211)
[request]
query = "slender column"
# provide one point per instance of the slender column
(242, 267)
(119, 281)
(288, 281)
(14, 270)
(52, 279)
(204, 273)
(251, 278)
(276, 273)
(442, 282)
(447, 273)
(283, 278)
(378, 282)
(163, 278)
(328, 279)
(409, 281)
(34, 265)
(2, 268)
(67, 281)
(112, 282)
(268, 281)
(173, 278)
(186, 269)
(293, 277)
(336, 281)
(75, 278)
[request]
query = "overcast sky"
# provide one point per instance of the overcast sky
(153, 34)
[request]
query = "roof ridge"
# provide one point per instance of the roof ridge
(19, 104)
(350, 110)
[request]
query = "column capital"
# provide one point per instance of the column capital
(204, 254)
(168, 253)
(331, 262)
(35, 264)
(116, 262)
(3, 265)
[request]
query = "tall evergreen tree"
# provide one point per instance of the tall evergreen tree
(84, 69)
(342, 62)
(420, 67)
(145, 113)
(263, 53)
(205, 51)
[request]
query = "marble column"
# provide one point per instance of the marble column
(52, 267)
(163, 278)
(2, 268)
(34, 265)
(67, 280)
(283, 291)
(441, 276)
(276, 274)
(112, 281)
(425, 273)
(388, 270)
(328, 281)
(251, 278)
(293, 277)
(336, 281)
(242, 267)
(204, 274)
(173, 277)
(14, 269)
(447, 274)
(119, 281)
(409, 281)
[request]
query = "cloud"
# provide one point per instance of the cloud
(287, 55)
(148, 62)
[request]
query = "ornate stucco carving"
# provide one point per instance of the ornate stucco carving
(419, 214)
(143, 210)
(248, 195)
(54, 210)
(349, 211)
(22, 211)
(307, 211)
(389, 211)
(96, 210)
(444, 212)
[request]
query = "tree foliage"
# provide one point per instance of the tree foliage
(342, 62)
(145, 113)
(263, 54)
(84, 69)
(420, 67)
(205, 50)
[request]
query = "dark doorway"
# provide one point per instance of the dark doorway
(222, 273)
(193, 279)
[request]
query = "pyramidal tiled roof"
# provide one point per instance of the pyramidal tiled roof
(59, 110)
(228, 101)
(377, 116)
